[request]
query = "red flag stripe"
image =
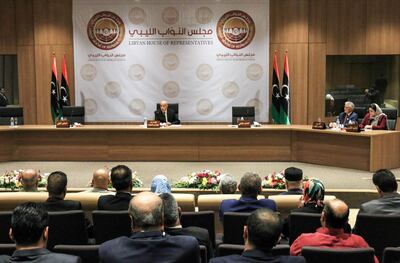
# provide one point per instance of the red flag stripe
(64, 69)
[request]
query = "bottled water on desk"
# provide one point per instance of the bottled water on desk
(15, 121)
(145, 122)
(12, 122)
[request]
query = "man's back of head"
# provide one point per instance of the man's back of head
(250, 185)
(100, 179)
(57, 184)
(293, 177)
(29, 180)
(146, 211)
(385, 181)
(171, 210)
(227, 185)
(121, 178)
(335, 214)
(263, 229)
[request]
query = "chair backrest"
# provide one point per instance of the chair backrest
(247, 113)
(88, 253)
(5, 223)
(302, 223)
(391, 255)
(380, 231)
(204, 219)
(74, 113)
(203, 254)
(231, 249)
(185, 201)
(334, 255)
(233, 227)
(67, 228)
(391, 114)
(173, 106)
(106, 228)
(7, 249)
(11, 111)
(361, 112)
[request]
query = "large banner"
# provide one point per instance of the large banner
(205, 55)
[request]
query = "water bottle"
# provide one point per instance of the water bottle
(145, 122)
(16, 121)
(337, 123)
(12, 121)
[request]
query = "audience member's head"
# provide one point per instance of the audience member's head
(121, 178)
(101, 179)
(263, 230)
(146, 211)
(227, 185)
(57, 184)
(313, 192)
(171, 210)
(335, 214)
(385, 181)
(293, 178)
(29, 226)
(29, 180)
(250, 185)
(160, 185)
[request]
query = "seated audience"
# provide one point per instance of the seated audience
(148, 242)
(260, 234)
(160, 185)
(29, 229)
(173, 227)
(57, 188)
(334, 218)
(250, 188)
(227, 185)
(375, 119)
(347, 116)
(293, 181)
(29, 180)
(100, 181)
(121, 179)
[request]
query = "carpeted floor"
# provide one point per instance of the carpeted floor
(79, 173)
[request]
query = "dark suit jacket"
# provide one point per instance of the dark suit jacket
(244, 204)
(41, 255)
(172, 116)
(256, 256)
(152, 246)
(201, 234)
(345, 120)
(55, 204)
(388, 204)
(117, 202)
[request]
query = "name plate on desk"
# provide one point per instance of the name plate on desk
(353, 128)
(153, 124)
(62, 123)
(244, 124)
(319, 125)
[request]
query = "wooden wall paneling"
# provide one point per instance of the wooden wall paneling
(289, 21)
(385, 151)
(7, 27)
(24, 22)
(346, 27)
(298, 73)
(317, 21)
(316, 82)
(383, 27)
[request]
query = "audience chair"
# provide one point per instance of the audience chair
(345, 255)
(203, 254)
(204, 219)
(110, 224)
(391, 255)
(5, 224)
(391, 114)
(230, 249)
(233, 227)
(67, 228)
(380, 231)
(302, 223)
(7, 249)
(88, 253)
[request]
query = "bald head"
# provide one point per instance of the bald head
(30, 180)
(163, 105)
(146, 211)
(100, 179)
(335, 214)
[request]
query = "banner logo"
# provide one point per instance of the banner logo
(106, 30)
(236, 29)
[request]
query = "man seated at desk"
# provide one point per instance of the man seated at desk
(166, 115)
(346, 117)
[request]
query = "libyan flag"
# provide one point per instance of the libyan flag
(55, 106)
(64, 88)
(285, 94)
(275, 108)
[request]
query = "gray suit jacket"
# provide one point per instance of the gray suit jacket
(388, 204)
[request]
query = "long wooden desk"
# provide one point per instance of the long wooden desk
(369, 151)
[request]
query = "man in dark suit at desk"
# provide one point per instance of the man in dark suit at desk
(166, 115)
(347, 116)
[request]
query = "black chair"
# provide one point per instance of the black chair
(88, 253)
(233, 227)
(67, 228)
(204, 219)
(302, 223)
(5, 223)
(203, 254)
(361, 112)
(334, 255)
(380, 231)
(391, 255)
(7, 249)
(230, 249)
(11, 111)
(74, 113)
(391, 114)
(110, 224)
(173, 106)
(247, 113)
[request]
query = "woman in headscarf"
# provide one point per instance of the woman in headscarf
(160, 185)
(375, 118)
